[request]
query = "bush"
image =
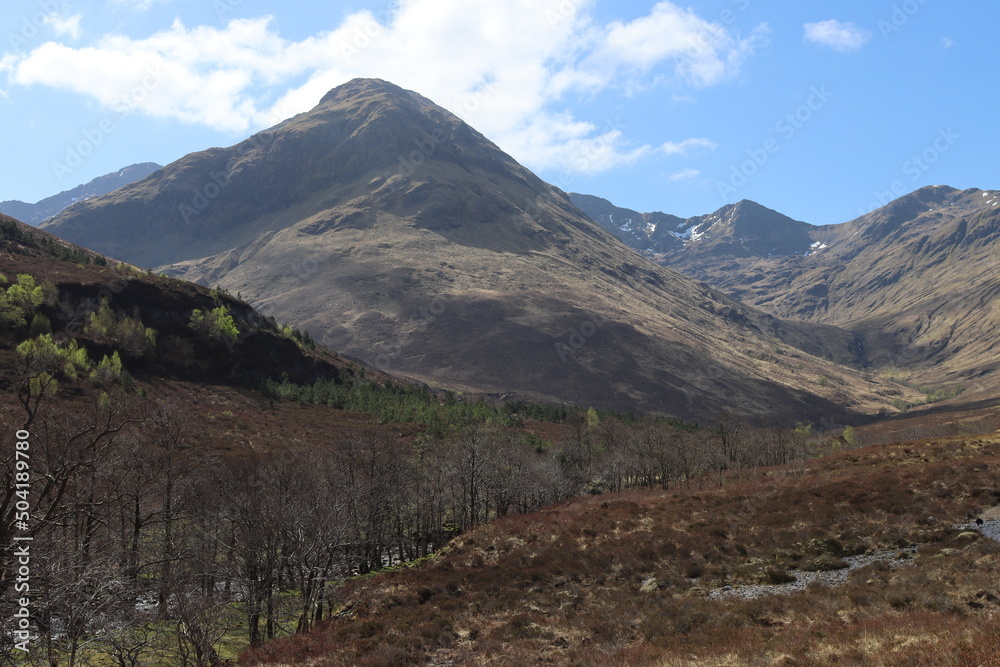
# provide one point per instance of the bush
(19, 301)
(128, 334)
(40, 324)
(216, 323)
(778, 575)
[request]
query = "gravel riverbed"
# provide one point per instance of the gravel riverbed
(894, 557)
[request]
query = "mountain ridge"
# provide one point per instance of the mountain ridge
(395, 232)
(49, 207)
(915, 281)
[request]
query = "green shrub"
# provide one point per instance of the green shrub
(901, 404)
(44, 362)
(40, 324)
(126, 333)
(216, 323)
(19, 302)
(108, 370)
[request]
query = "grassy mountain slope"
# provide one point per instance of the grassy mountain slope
(915, 282)
(397, 234)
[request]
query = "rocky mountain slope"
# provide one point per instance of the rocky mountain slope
(916, 280)
(745, 229)
(396, 233)
(39, 212)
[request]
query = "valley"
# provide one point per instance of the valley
(912, 282)
(361, 389)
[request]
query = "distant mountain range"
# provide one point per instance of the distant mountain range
(36, 213)
(916, 281)
(744, 229)
(394, 232)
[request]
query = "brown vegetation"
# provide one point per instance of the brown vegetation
(608, 580)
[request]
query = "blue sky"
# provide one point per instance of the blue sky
(821, 110)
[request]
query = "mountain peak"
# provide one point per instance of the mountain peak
(362, 87)
(749, 203)
(394, 232)
(935, 192)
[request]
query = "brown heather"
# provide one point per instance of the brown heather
(562, 586)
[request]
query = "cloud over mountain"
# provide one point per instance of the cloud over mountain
(520, 61)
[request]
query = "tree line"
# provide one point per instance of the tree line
(148, 546)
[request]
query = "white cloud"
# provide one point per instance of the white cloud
(143, 5)
(197, 76)
(4, 95)
(688, 145)
(947, 42)
(685, 175)
(64, 25)
(838, 35)
(700, 52)
(508, 68)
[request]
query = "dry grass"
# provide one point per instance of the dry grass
(605, 580)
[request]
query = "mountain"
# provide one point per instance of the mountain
(394, 232)
(41, 211)
(650, 232)
(744, 229)
(150, 425)
(915, 281)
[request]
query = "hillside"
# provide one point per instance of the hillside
(395, 233)
(39, 212)
(160, 426)
(654, 577)
(915, 281)
(81, 279)
(221, 474)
